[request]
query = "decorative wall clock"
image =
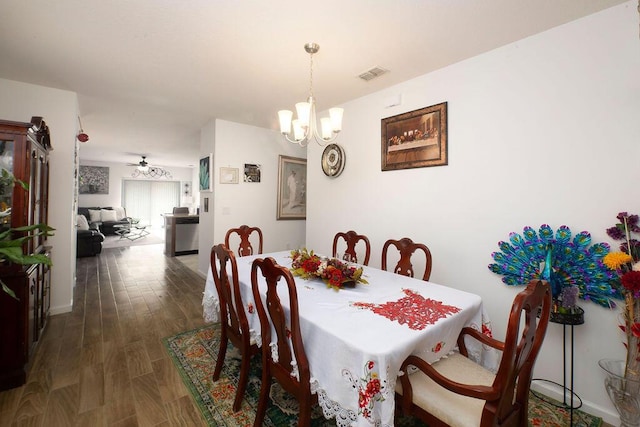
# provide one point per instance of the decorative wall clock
(333, 160)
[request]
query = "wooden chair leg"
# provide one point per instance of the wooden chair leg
(304, 417)
(222, 352)
(242, 382)
(263, 399)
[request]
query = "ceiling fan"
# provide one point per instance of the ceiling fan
(142, 165)
(148, 171)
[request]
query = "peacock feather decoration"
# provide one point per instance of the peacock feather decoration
(569, 264)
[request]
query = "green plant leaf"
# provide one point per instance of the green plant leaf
(8, 291)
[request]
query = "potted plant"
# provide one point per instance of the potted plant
(13, 239)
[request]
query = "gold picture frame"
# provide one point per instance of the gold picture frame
(292, 188)
(415, 139)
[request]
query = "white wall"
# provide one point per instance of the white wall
(254, 204)
(205, 228)
(544, 130)
(19, 102)
(118, 172)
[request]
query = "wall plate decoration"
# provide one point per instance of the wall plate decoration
(229, 175)
(333, 160)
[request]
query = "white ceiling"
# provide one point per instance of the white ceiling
(150, 73)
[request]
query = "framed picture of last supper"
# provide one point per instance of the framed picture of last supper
(415, 139)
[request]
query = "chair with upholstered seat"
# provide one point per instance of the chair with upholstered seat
(406, 247)
(351, 240)
(244, 232)
(233, 319)
(284, 359)
(456, 391)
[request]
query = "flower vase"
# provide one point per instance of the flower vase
(623, 391)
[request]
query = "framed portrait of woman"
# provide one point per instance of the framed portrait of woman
(292, 188)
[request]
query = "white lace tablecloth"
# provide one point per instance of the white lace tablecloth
(357, 338)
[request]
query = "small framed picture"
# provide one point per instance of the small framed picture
(416, 139)
(205, 173)
(229, 175)
(251, 172)
(292, 188)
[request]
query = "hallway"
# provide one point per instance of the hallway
(104, 363)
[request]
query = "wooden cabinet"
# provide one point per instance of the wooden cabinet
(24, 151)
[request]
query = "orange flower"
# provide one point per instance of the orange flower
(615, 260)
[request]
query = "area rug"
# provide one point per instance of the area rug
(122, 242)
(194, 354)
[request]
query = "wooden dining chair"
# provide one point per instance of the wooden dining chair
(234, 325)
(351, 239)
(407, 247)
(244, 232)
(284, 359)
(455, 391)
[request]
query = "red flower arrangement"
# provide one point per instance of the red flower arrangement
(335, 273)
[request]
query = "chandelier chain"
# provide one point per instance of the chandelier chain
(311, 75)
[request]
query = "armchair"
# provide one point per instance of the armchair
(457, 392)
(88, 240)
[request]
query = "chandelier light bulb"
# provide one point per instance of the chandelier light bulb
(336, 118)
(285, 117)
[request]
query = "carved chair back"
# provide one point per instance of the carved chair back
(407, 247)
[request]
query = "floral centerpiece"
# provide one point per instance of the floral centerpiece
(335, 273)
(623, 384)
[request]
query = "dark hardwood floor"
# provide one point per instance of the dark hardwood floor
(104, 363)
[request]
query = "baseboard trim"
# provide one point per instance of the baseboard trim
(555, 392)
(60, 309)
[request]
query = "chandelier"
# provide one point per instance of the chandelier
(305, 125)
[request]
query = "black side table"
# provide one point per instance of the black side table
(571, 320)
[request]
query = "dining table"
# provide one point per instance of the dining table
(356, 338)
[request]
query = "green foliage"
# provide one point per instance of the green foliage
(10, 245)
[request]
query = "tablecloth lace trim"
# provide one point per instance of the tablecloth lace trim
(274, 352)
(255, 338)
(211, 308)
(332, 409)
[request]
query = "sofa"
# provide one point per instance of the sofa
(105, 218)
(88, 238)
(89, 243)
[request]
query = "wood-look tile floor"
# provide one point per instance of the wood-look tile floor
(104, 363)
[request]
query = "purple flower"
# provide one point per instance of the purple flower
(616, 233)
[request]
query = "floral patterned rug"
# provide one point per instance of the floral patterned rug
(194, 354)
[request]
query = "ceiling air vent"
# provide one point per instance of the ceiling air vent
(372, 73)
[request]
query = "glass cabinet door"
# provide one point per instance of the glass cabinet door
(6, 182)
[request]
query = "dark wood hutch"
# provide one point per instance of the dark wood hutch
(24, 151)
